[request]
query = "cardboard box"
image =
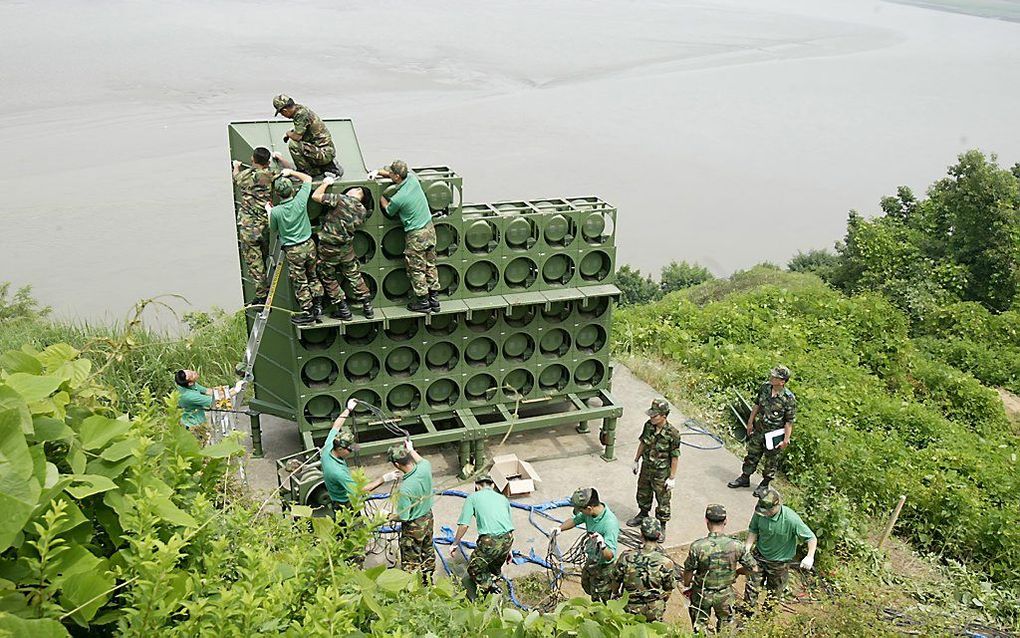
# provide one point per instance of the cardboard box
(512, 476)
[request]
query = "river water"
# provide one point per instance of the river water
(727, 132)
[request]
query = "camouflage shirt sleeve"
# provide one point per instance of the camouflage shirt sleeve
(647, 433)
(763, 394)
(675, 451)
(746, 560)
(301, 121)
(790, 412)
(668, 575)
(691, 562)
(331, 199)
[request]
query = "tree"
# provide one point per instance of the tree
(634, 288)
(680, 275)
(817, 262)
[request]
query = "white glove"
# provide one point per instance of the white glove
(408, 445)
(599, 541)
(670, 483)
(807, 562)
(637, 466)
(373, 174)
(391, 476)
(352, 404)
(237, 387)
(328, 181)
(269, 208)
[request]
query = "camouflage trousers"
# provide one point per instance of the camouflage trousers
(704, 601)
(202, 433)
(756, 450)
(600, 581)
(336, 262)
(652, 482)
(251, 235)
(486, 562)
(301, 260)
(651, 611)
(416, 552)
(312, 159)
(775, 575)
(420, 255)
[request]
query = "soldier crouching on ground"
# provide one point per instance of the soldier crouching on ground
(491, 511)
(710, 570)
(647, 575)
(599, 577)
(344, 213)
(310, 143)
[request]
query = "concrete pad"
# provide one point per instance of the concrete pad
(566, 460)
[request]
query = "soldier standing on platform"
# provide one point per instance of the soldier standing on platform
(289, 218)
(310, 143)
(254, 185)
(410, 204)
(344, 213)
(491, 511)
(599, 577)
(774, 408)
(710, 570)
(655, 463)
(647, 575)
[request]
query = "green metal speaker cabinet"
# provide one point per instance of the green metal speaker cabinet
(521, 340)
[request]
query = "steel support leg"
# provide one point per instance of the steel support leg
(582, 428)
(256, 437)
(464, 457)
(481, 454)
(609, 429)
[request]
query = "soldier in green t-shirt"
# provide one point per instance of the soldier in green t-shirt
(194, 399)
(494, 547)
(711, 567)
(414, 511)
(310, 142)
(647, 575)
(774, 533)
(599, 577)
(775, 407)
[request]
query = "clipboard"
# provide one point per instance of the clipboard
(774, 438)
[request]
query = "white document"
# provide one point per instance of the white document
(774, 438)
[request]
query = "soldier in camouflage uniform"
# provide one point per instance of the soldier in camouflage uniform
(414, 511)
(655, 463)
(775, 407)
(710, 570)
(289, 219)
(254, 187)
(493, 549)
(599, 576)
(344, 213)
(409, 203)
(310, 143)
(647, 575)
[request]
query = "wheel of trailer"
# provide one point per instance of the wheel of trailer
(319, 500)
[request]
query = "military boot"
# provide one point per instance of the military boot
(636, 521)
(662, 536)
(341, 311)
(367, 310)
(420, 304)
(434, 301)
(743, 480)
(317, 310)
(762, 487)
(302, 318)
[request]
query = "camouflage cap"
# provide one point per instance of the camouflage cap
(580, 498)
(283, 187)
(398, 167)
(345, 439)
(651, 528)
(715, 513)
(768, 501)
(396, 453)
(484, 478)
(281, 102)
(659, 407)
(780, 372)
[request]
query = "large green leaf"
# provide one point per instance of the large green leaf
(18, 496)
(19, 361)
(88, 589)
(223, 449)
(33, 387)
(109, 469)
(15, 459)
(393, 580)
(49, 429)
(83, 485)
(56, 355)
(120, 449)
(74, 372)
(96, 431)
(14, 411)
(163, 506)
(14, 627)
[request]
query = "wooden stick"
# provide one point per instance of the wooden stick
(892, 521)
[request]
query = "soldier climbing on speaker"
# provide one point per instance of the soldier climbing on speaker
(775, 408)
(254, 187)
(647, 575)
(655, 463)
(344, 213)
(410, 204)
(599, 577)
(289, 219)
(309, 142)
(491, 511)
